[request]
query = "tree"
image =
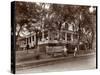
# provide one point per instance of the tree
(26, 14)
(52, 16)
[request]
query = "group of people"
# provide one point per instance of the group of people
(75, 50)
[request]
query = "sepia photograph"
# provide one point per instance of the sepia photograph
(55, 37)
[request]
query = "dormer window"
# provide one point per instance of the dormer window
(70, 27)
(64, 26)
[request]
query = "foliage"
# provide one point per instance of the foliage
(31, 17)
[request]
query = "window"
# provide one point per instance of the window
(55, 35)
(30, 39)
(40, 36)
(46, 35)
(69, 36)
(63, 36)
(66, 26)
(27, 40)
(75, 36)
(33, 38)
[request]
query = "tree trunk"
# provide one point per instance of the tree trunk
(18, 32)
(36, 39)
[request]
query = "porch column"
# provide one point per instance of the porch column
(35, 38)
(31, 41)
(71, 37)
(49, 35)
(43, 35)
(26, 41)
(66, 36)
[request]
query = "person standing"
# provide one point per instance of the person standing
(27, 47)
(75, 51)
(65, 51)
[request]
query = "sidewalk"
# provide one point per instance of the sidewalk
(35, 63)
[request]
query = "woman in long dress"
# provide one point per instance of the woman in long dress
(75, 50)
